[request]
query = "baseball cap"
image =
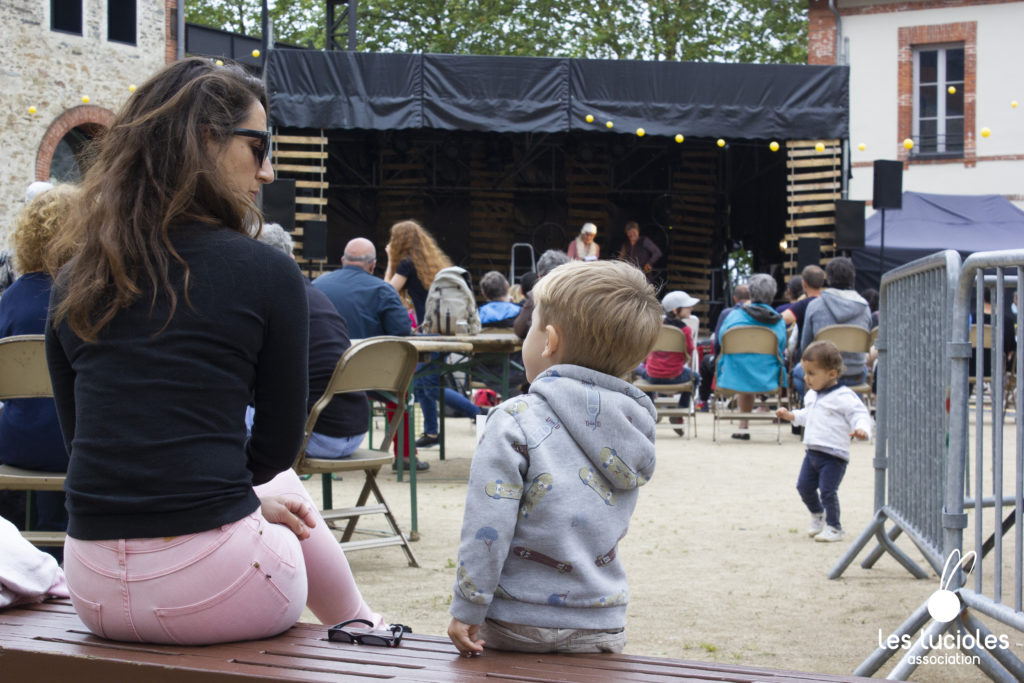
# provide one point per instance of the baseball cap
(36, 189)
(678, 299)
(589, 227)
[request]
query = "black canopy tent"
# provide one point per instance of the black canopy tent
(375, 91)
(525, 119)
(932, 222)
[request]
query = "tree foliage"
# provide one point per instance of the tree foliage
(763, 31)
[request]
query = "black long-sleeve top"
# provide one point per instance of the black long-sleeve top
(154, 422)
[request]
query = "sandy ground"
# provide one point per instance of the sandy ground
(720, 566)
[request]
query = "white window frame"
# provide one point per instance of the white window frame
(942, 83)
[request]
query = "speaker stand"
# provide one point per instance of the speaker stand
(881, 251)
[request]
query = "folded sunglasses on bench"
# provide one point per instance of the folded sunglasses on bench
(361, 636)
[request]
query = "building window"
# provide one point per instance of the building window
(121, 21)
(939, 100)
(66, 16)
(66, 166)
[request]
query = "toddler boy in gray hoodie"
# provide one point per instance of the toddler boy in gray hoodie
(556, 476)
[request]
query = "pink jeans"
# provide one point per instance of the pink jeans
(242, 581)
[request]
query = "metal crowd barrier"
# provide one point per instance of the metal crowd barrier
(990, 583)
(915, 315)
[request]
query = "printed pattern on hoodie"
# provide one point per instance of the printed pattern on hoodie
(553, 484)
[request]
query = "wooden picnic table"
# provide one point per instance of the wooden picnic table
(46, 643)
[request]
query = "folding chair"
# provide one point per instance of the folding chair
(747, 339)
(23, 374)
(384, 365)
(851, 339)
(672, 339)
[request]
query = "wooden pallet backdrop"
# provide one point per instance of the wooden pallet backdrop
(304, 159)
(813, 184)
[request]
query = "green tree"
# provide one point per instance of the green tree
(714, 30)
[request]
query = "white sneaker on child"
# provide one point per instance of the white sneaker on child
(830, 535)
(817, 524)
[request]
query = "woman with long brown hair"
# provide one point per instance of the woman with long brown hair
(413, 260)
(168, 321)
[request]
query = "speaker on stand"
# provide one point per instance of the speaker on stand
(808, 252)
(849, 224)
(888, 194)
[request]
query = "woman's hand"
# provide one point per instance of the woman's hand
(294, 514)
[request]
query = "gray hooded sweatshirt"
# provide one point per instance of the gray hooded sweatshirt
(553, 484)
(838, 307)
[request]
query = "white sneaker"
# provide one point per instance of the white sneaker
(830, 535)
(817, 524)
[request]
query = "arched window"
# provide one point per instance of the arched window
(67, 157)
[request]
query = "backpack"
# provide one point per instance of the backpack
(450, 300)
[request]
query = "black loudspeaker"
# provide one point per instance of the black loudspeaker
(888, 192)
(849, 224)
(808, 252)
(314, 240)
(279, 203)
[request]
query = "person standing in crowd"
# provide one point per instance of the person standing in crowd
(584, 248)
(639, 250)
(548, 261)
(168, 320)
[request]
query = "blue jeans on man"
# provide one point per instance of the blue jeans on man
(427, 389)
(818, 484)
(685, 376)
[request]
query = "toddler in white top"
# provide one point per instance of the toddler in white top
(832, 413)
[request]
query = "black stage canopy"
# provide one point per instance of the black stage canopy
(378, 91)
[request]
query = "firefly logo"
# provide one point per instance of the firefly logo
(944, 604)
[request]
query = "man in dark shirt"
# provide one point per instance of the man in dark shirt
(813, 279)
(369, 305)
(639, 250)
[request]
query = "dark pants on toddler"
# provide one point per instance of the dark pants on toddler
(821, 472)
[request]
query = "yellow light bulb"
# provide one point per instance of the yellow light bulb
(820, 147)
(608, 124)
(219, 63)
(590, 118)
(31, 110)
(640, 132)
(721, 142)
(255, 53)
(862, 147)
(773, 146)
(985, 132)
(131, 88)
(1013, 104)
(680, 137)
(951, 90)
(85, 99)
(908, 143)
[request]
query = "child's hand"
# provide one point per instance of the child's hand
(294, 514)
(859, 434)
(784, 414)
(464, 638)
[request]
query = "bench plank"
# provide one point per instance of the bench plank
(47, 642)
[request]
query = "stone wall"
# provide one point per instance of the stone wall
(51, 71)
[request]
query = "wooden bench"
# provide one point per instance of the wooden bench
(47, 642)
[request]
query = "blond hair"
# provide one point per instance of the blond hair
(606, 312)
(37, 226)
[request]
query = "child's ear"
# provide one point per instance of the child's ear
(553, 342)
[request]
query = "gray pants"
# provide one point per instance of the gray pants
(501, 635)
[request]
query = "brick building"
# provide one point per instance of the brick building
(56, 53)
(938, 72)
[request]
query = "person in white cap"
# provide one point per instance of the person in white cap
(669, 367)
(583, 248)
(35, 189)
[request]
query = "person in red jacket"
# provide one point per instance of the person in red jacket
(669, 367)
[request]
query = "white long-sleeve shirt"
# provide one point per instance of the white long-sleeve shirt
(828, 418)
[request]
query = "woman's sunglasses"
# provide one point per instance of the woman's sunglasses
(338, 634)
(259, 151)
